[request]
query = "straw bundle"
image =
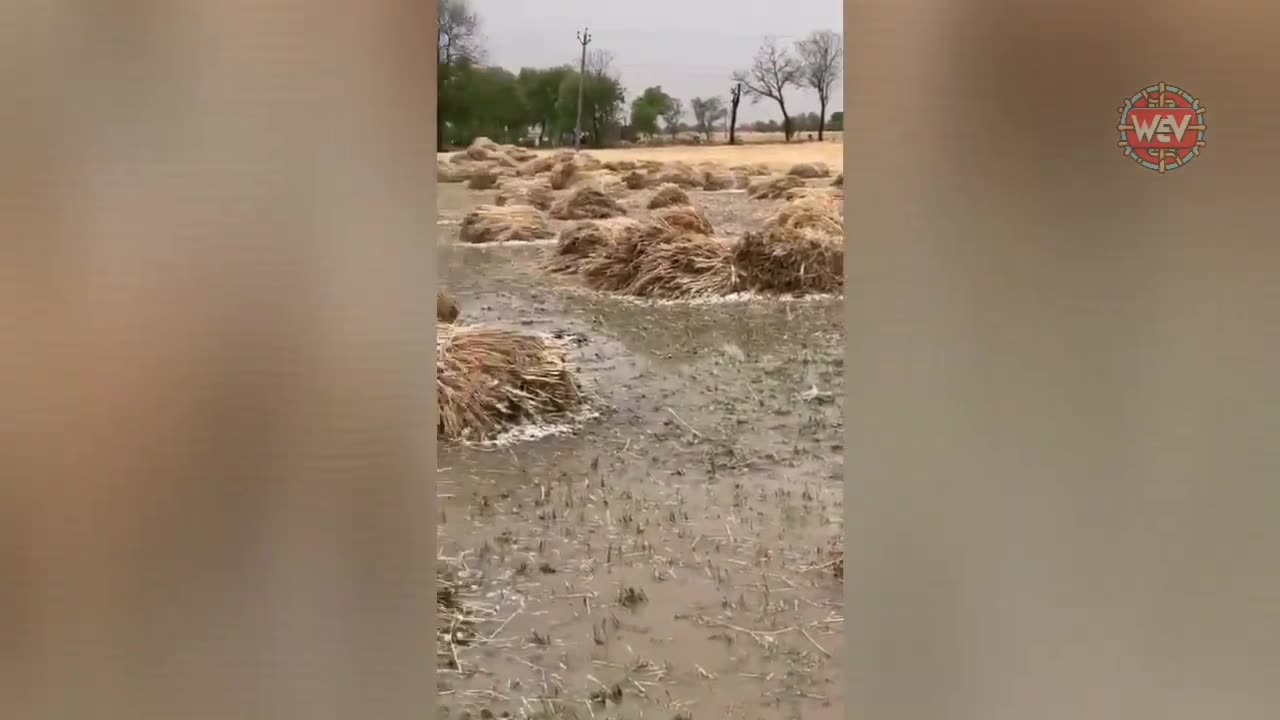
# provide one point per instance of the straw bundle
(491, 379)
(525, 192)
(586, 238)
(799, 250)
(504, 223)
(685, 218)
(586, 203)
(446, 307)
(809, 170)
(773, 188)
(668, 195)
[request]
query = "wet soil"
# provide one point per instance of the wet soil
(672, 557)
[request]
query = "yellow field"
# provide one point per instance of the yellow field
(774, 154)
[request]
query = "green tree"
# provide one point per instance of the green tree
(602, 101)
(458, 47)
(837, 121)
(648, 108)
(540, 91)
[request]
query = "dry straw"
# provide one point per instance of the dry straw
(586, 203)
(668, 195)
(773, 188)
(491, 379)
(534, 193)
(446, 307)
(799, 250)
(505, 223)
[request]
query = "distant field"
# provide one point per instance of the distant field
(775, 154)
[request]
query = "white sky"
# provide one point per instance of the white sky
(689, 47)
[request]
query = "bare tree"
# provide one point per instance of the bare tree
(671, 116)
(458, 33)
(772, 71)
(600, 63)
(822, 54)
(706, 113)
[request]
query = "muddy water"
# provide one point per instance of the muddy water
(671, 558)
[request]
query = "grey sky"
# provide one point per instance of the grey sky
(689, 47)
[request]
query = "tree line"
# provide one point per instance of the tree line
(541, 104)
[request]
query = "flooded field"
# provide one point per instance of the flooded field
(671, 557)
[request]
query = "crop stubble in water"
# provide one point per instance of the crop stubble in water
(672, 558)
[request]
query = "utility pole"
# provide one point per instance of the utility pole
(584, 38)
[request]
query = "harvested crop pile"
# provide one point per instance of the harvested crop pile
(586, 238)
(773, 188)
(607, 182)
(839, 181)
(620, 166)
(483, 149)
(662, 261)
(799, 250)
(562, 174)
(812, 213)
(809, 170)
(505, 223)
(668, 195)
(538, 165)
(482, 179)
(756, 170)
(827, 194)
(446, 308)
(586, 203)
(447, 173)
(637, 180)
(714, 179)
(686, 218)
(491, 379)
(679, 174)
(525, 192)
(682, 265)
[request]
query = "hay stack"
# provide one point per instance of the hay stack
(586, 238)
(606, 181)
(537, 165)
(667, 196)
(715, 179)
(505, 223)
(533, 193)
(620, 166)
(446, 307)
(685, 218)
(562, 174)
(586, 203)
(827, 194)
(446, 173)
(678, 265)
(753, 170)
(482, 149)
(482, 179)
(491, 379)
(799, 250)
(809, 170)
(839, 181)
(679, 174)
(637, 179)
(811, 213)
(773, 188)
(517, 154)
(663, 262)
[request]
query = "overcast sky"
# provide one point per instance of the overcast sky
(689, 47)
